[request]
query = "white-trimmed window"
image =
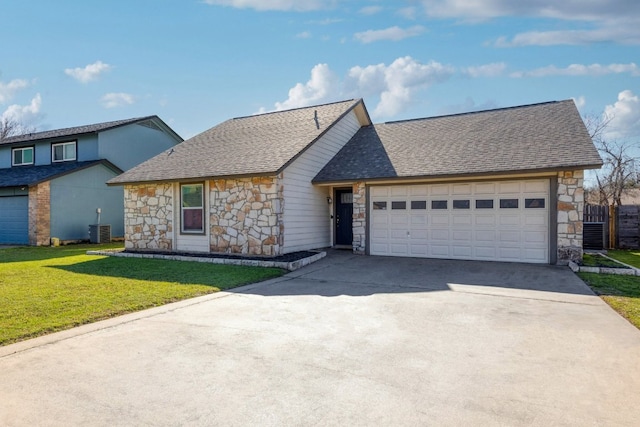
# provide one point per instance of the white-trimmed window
(63, 152)
(22, 156)
(192, 208)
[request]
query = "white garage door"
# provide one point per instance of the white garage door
(498, 221)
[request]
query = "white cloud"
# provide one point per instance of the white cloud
(7, 90)
(303, 35)
(625, 116)
(392, 33)
(408, 13)
(88, 73)
(27, 115)
(120, 99)
(467, 106)
(581, 70)
(625, 35)
(394, 85)
(569, 10)
(370, 10)
(580, 101)
(610, 21)
(322, 87)
(281, 5)
(488, 70)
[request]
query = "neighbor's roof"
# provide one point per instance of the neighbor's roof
(548, 136)
(253, 145)
(81, 130)
(30, 175)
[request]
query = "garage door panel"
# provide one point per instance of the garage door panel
(485, 252)
(534, 237)
(485, 236)
(509, 187)
(439, 190)
(439, 251)
(420, 234)
(464, 219)
(535, 220)
(485, 220)
(536, 187)
(440, 234)
(509, 220)
(14, 220)
(514, 230)
(485, 188)
(439, 220)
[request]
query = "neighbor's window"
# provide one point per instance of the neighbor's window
(22, 156)
(63, 152)
(192, 206)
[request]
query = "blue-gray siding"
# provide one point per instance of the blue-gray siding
(131, 145)
(75, 198)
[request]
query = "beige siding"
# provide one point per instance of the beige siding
(306, 224)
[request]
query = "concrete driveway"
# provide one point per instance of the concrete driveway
(349, 340)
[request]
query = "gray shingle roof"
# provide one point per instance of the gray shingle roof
(73, 131)
(244, 146)
(29, 175)
(544, 136)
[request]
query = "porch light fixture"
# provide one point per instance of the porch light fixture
(329, 200)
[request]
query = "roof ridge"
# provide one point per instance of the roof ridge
(114, 123)
(297, 108)
(476, 112)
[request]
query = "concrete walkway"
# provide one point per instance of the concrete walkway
(349, 340)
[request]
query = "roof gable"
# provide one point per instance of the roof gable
(534, 137)
(253, 145)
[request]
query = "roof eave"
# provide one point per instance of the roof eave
(470, 176)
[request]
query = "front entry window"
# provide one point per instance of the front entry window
(192, 207)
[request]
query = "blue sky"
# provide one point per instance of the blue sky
(198, 63)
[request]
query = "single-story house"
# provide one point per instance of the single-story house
(499, 185)
(53, 183)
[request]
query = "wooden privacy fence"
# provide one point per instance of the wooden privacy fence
(609, 227)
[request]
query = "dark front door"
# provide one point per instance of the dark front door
(344, 217)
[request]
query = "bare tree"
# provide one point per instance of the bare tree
(619, 171)
(11, 127)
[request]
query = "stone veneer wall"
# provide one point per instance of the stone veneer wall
(570, 208)
(359, 218)
(40, 214)
(246, 216)
(148, 216)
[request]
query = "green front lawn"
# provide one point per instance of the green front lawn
(622, 293)
(631, 257)
(47, 289)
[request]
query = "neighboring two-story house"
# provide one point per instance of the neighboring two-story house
(52, 183)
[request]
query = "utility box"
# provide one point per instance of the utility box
(100, 233)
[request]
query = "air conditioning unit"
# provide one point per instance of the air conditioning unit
(100, 233)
